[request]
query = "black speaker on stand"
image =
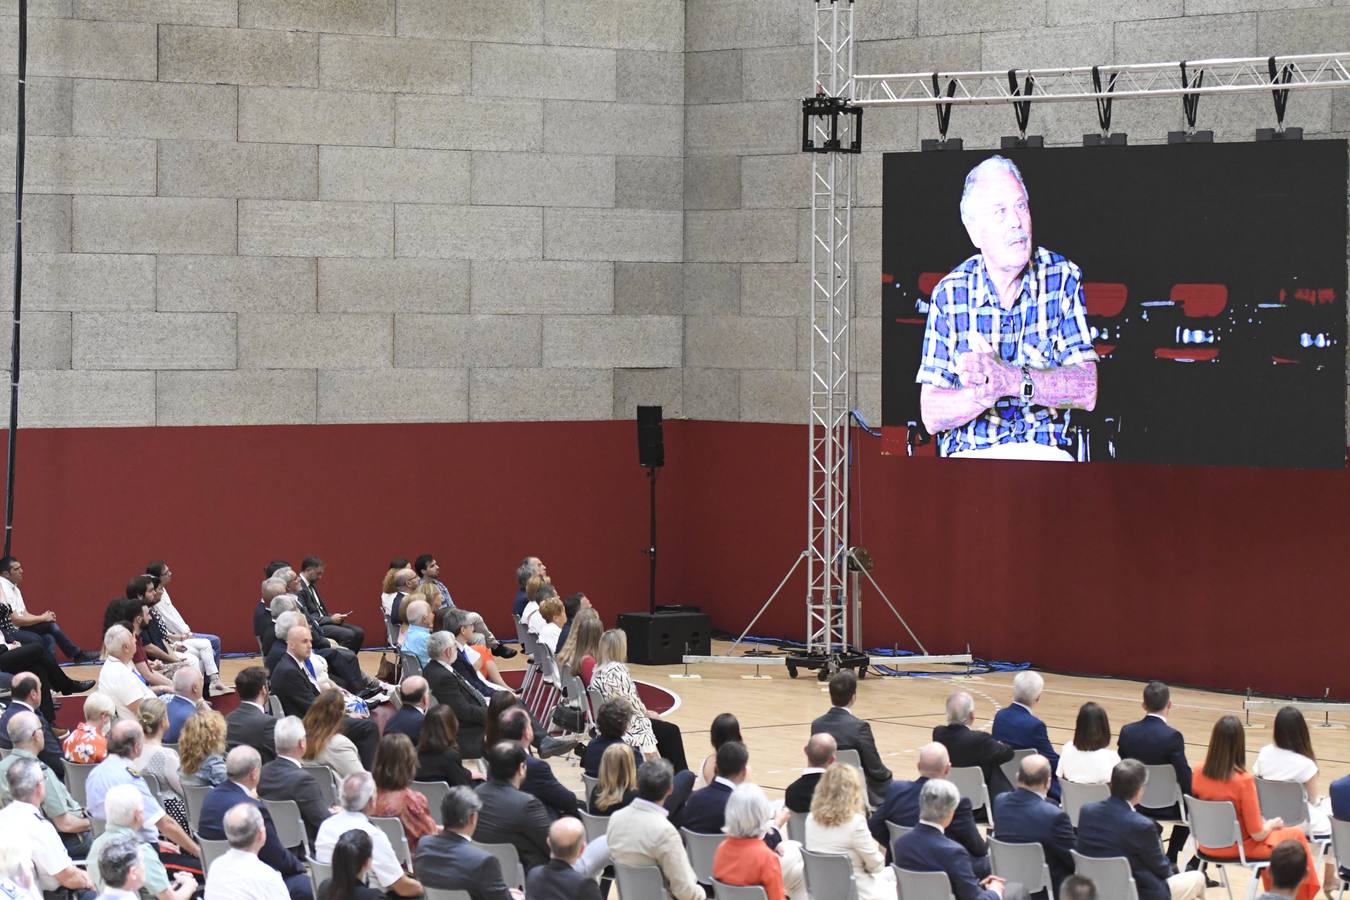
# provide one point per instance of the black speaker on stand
(651, 456)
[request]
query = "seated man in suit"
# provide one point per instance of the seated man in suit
(416, 700)
(1018, 727)
(1155, 743)
(1111, 827)
(1078, 887)
(1025, 816)
(243, 769)
(296, 685)
(819, 756)
(450, 688)
(26, 694)
(335, 625)
(263, 617)
(251, 723)
(559, 880)
(508, 814)
(357, 796)
(968, 747)
(901, 806)
(284, 778)
(925, 848)
(641, 835)
(450, 860)
(342, 661)
(853, 733)
(514, 725)
(181, 705)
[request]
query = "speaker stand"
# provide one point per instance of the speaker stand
(651, 547)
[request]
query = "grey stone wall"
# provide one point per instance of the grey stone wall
(311, 211)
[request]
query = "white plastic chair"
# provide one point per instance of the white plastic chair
(922, 885)
(509, 858)
(289, 823)
(640, 883)
(829, 875)
(701, 849)
(435, 792)
(392, 826)
(1021, 863)
(1214, 824)
(969, 781)
(1074, 796)
(1111, 874)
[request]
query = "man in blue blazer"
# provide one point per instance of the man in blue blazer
(706, 810)
(926, 848)
(1018, 727)
(1111, 827)
(416, 698)
(181, 705)
(1025, 816)
(1155, 743)
(901, 806)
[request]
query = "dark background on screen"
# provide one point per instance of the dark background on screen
(1260, 218)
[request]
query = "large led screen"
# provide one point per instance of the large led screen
(1166, 304)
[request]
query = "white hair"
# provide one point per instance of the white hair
(960, 708)
(937, 800)
(282, 603)
(288, 620)
(96, 704)
(1027, 686)
(356, 791)
(242, 823)
(24, 777)
(22, 727)
(185, 679)
(417, 610)
(122, 803)
(747, 812)
(987, 167)
(114, 638)
(288, 733)
(438, 643)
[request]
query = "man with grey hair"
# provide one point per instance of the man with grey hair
(968, 747)
(1018, 727)
(357, 796)
(420, 618)
(25, 732)
(22, 816)
(452, 861)
(272, 587)
(126, 815)
(558, 879)
(448, 686)
(243, 770)
(285, 777)
(528, 568)
(240, 874)
(641, 834)
(122, 867)
(1006, 346)
(125, 740)
(926, 848)
(902, 808)
(184, 702)
(1025, 816)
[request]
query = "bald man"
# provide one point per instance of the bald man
(1026, 816)
(902, 807)
(416, 700)
(820, 750)
(559, 879)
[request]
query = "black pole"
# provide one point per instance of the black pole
(18, 279)
(651, 548)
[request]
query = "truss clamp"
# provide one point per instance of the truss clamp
(825, 112)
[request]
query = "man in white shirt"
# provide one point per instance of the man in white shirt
(28, 789)
(239, 874)
(357, 796)
(36, 627)
(199, 645)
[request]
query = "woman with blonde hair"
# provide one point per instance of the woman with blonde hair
(388, 591)
(201, 747)
(324, 741)
(837, 823)
(160, 761)
(617, 785)
(653, 736)
(582, 645)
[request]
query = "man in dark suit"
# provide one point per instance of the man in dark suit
(450, 688)
(296, 685)
(243, 768)
(1019, 728)
(182, 704)
(515, 725)
(853, 733)
(968, 747)
(416, 699)
(1155, 743)
(819, 755)
(250, 723)
(1025, 816)
(26, 696)
(925, 848)
(335, 625)
(1111, 827)
(284, 778)
(901, 806)
(450, 861)
(706, 810)
(559, 880)
(509, 815)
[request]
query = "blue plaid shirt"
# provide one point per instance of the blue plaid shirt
(1045, 329)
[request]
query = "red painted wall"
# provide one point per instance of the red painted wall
(1223, 577)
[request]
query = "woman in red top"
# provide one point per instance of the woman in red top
(743, 858)
(1225, 777)
(393, 770)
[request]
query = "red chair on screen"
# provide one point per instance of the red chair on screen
(1105, 302)
(1197, 300)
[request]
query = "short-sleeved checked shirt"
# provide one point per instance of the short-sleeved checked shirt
(1045, 329)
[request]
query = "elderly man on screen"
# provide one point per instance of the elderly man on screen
(1006, 347)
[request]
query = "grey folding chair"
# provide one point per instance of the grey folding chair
(701, 849)
(829, 875)
(435, 792)
(319, 873)
(596, 826)
(738, 892)
(195, 796)
(289, 823)
(97, 826)
(969, 781)
(509, 858)
(1161, 791)
(797, 827)
(590, 782)
(1285, 799)
(324, 776)
(1014, 765)
(1074, 796)
(409, 664)
(274, 707)
(443, 894)
(1022, 863)
(640, 883)
(392, 826)
(212, 851)
(922, 885)
(1111, 875)
(896, 831)
(1340, 845)
(76, 775)
(1214, 824)
(850, 757)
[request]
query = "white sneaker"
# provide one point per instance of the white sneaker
(218, 689)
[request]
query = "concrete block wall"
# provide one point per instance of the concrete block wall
(308, 211)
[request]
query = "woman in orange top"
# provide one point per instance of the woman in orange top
(743, 858)
(1225, 777)
(393, 770)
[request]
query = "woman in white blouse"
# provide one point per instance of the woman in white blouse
(118, 678)
(838, 824)
(653, 736)
(1088, 757)
(1291, 758)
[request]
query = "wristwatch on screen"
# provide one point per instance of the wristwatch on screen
(1028, 386)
